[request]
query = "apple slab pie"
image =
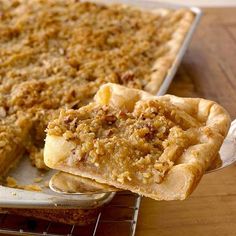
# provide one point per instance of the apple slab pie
(159, 147)
(57, 53)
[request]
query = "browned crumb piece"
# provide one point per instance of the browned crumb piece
(38, 180)
(11, 182)
(31, 187)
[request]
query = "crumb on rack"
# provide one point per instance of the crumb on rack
(12, 183)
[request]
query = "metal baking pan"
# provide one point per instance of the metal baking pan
(24, 173)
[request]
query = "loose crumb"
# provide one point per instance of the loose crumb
(11, 182)
(38, 179)
(32, 187)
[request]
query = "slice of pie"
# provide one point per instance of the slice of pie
(159, 147)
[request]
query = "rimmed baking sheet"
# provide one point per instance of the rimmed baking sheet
(25, 173)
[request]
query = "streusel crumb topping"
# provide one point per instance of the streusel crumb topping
(133, 140)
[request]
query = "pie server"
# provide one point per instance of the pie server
(65, 183)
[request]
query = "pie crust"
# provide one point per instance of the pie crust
(158, 147)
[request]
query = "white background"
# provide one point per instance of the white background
(209, 3)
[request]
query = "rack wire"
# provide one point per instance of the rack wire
(117, 218)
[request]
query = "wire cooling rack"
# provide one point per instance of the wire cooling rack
(119, 218)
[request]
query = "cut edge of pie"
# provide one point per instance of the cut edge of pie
(182, 178)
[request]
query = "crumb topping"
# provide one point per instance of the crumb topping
(135, 141)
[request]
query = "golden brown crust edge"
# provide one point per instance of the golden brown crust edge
(163, 64)
(183, 177)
